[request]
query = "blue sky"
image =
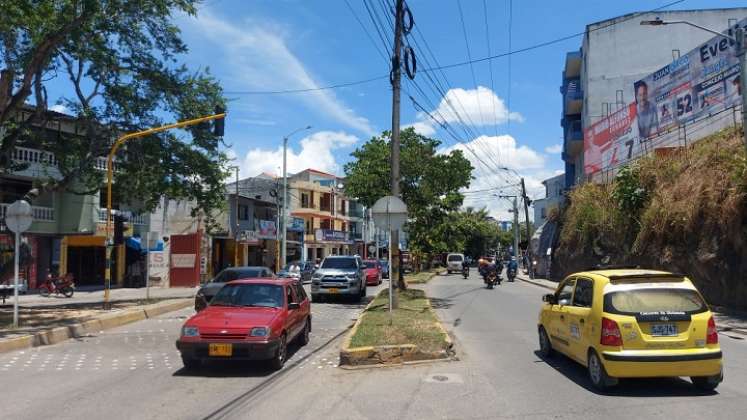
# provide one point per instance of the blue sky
(260, 45)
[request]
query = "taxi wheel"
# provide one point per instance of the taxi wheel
(597, 374)
(546, 349)
(706, 383)
(279, 360)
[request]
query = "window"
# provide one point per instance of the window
(309, 223)
(289, 295)
(305, 200)
(344, 226)
(564, 296)
(243, 212)
(340, 263)
(325, 224)
(584, 293)
(262, 295)
(300, 292)
(636, 301)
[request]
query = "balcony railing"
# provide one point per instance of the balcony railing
(27, 155)
(574, 132)
(38, 213)
(135, 219)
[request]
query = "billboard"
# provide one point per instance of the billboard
(702, 82)
(267, 229)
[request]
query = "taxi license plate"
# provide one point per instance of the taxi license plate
(224, 350)
(664, 330)
(333, 291)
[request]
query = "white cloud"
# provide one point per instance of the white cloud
(261, 60)
(476, 107)
(502, 152)
(554, 149)
(62, 109)
(316, 152)
(422, 128)
(252, 121)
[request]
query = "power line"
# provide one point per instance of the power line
(368, 34)
(490, 66)
(469, 57)
(508, 93)
(448, 66)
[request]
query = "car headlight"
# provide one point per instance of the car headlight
(190, 332)
(260, 332)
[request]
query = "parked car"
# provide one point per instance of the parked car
(339, 276)
(454, 262)
(384, 263)
(632, 323)
(248, 320)
(209, 289)
(372, 272)
(298, 270)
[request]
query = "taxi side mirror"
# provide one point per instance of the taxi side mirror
(550, 298)
(294, 305)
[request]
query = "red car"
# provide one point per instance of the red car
(372, 272)
(252, 319)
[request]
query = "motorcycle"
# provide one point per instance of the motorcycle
(465, 271)
(57, 285)
(491, 279)
(511, 274)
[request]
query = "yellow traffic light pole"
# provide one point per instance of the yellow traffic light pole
(109, 175)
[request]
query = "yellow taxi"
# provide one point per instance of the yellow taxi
(632, 323)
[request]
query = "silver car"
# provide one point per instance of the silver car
(209, 289)
(339, 276)
(454, 262)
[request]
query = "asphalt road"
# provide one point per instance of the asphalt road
(134, 371)
(498, 375)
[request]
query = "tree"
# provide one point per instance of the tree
(118, 59)
(430, 184)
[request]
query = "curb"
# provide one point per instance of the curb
(525, 280)
(102, 322)
(390, 355)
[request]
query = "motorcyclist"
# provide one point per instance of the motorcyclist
(513, 265)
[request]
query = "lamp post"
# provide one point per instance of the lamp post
(236, 221)
(284, 220)
(738, 40)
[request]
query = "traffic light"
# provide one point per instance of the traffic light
(220, 123)
(119, 229)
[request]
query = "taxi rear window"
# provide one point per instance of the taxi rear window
(637, 301)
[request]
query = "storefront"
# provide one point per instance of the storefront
(329, 242)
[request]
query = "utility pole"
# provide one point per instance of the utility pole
(516, 230)
(396, 78)
(236, 231)
(286, 201)
(742, 53)
(529, 231)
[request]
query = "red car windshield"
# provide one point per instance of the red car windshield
(262, 295)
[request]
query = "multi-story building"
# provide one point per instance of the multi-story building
(598, 80)
(68, 230)
(554, 190)
(319, 199)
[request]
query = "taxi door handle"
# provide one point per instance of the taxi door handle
(562, 317)
(582, 321)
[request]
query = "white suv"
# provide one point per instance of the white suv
(454, 262)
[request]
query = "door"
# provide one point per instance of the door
(578, 317)
(559, 332)
(185, 260)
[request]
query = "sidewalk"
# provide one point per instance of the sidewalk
(726, 320)
(97, 296)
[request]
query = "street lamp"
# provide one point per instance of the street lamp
(283, 249)
(738, 40)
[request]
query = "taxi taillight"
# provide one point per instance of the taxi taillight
(611, 335)
(711, 333)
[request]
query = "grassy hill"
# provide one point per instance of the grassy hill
(684, 212)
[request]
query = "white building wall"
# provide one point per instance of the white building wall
(621, 51)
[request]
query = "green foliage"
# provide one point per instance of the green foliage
(628, 191)
(119, 59)
(430, 184)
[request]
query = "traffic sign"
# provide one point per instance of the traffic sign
(18, 217)
(389, 212)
